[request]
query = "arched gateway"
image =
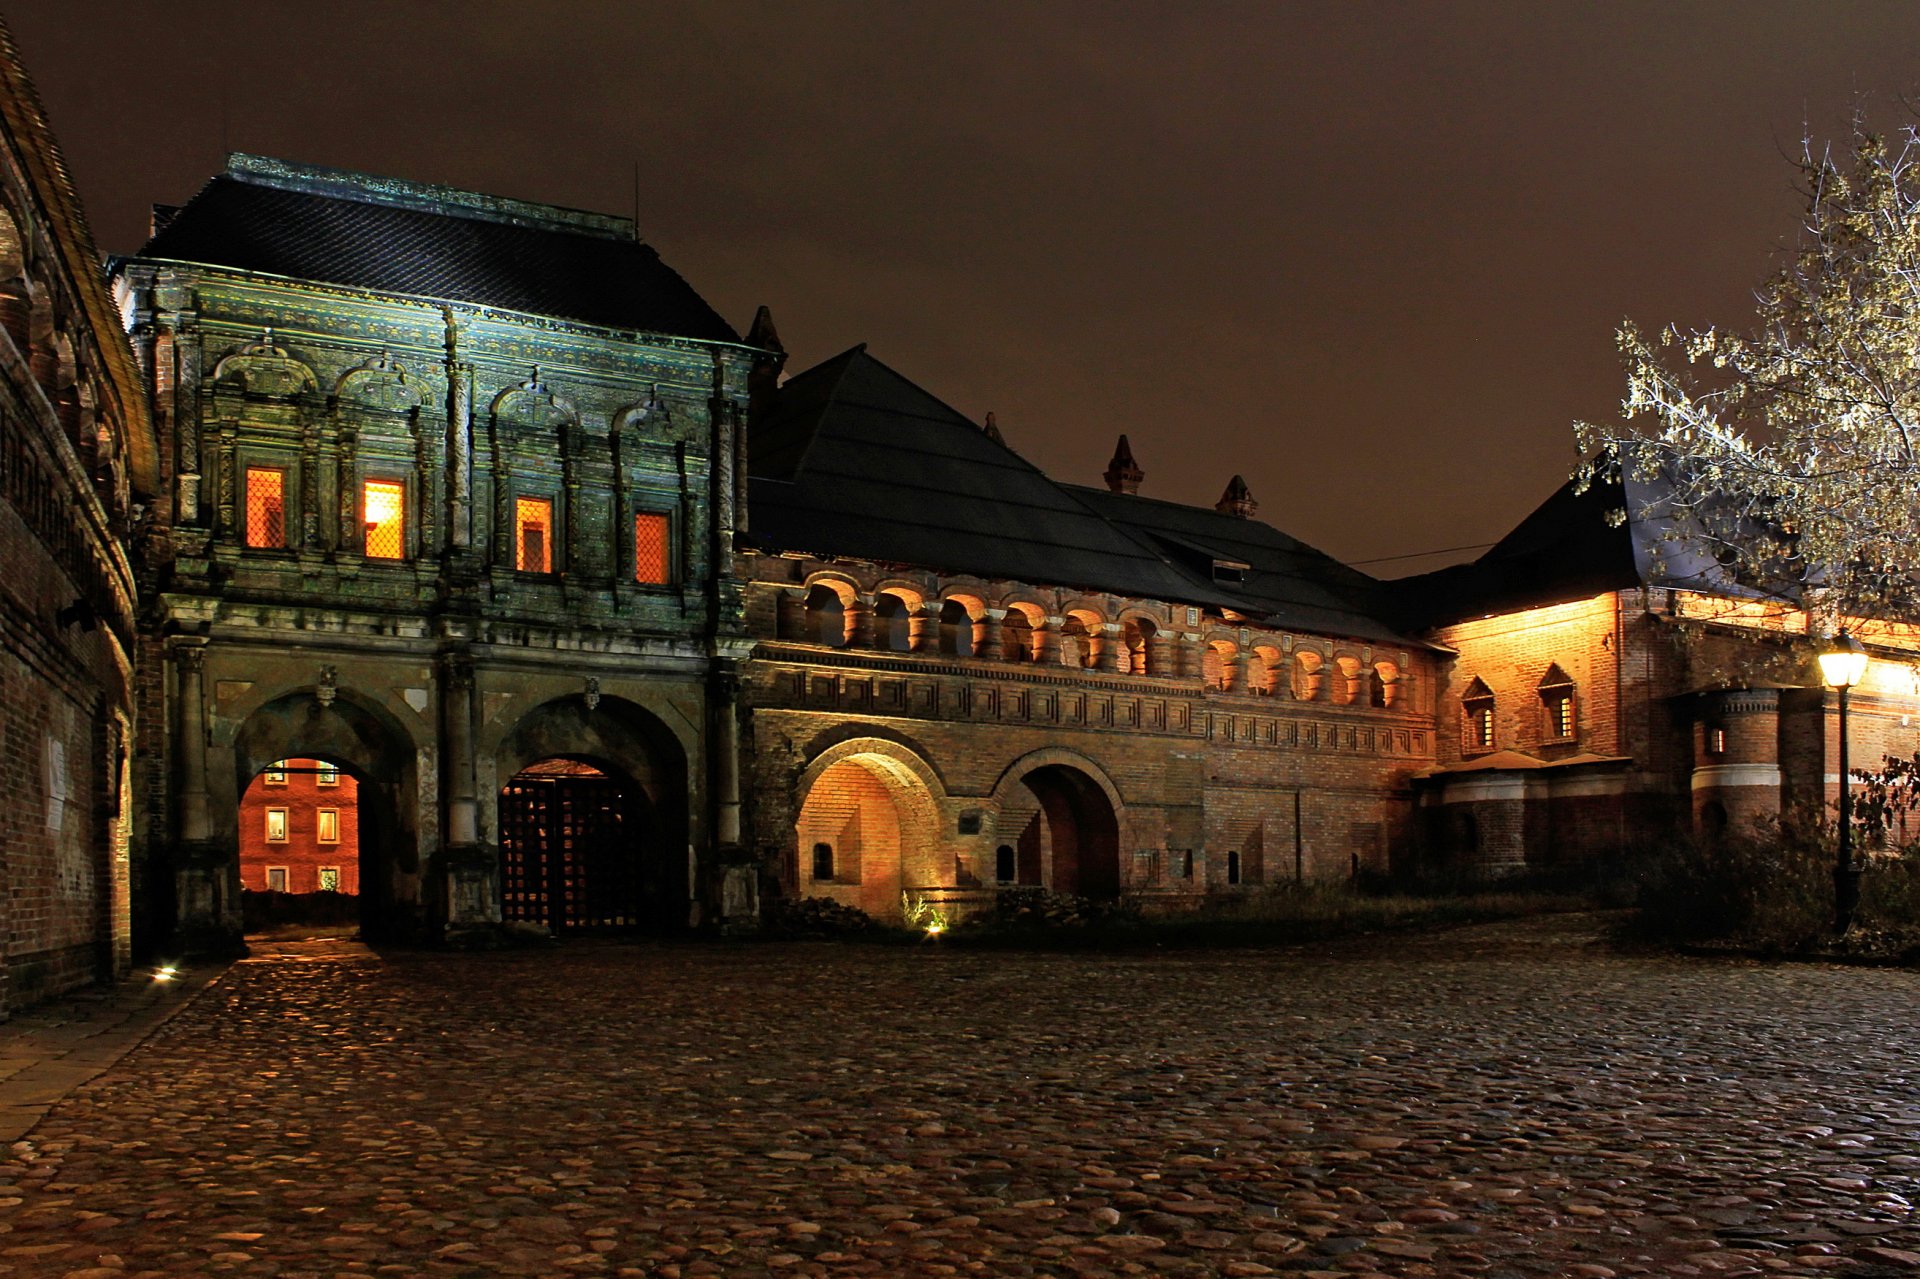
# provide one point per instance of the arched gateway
(1061, 818)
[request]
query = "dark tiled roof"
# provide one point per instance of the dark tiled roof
(438, 253)
(1285, 580)
(855, 460)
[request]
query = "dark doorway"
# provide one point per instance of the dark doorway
(1082, 831)
(574, 850)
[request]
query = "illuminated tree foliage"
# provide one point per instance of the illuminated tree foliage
(1792, 451)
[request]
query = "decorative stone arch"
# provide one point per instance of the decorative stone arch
(529, 423)
(16, 295)
(382, 753)
(961, 613)
(1082, 636)
(382, 383)
(1073, 822)
(645, 759)
(1142, 642)
(1309, 675)
(828, 609)
(262, 368)
(1220, 664)
(1346, 681)
(869, 826)
(1265, 667)
(1385, 684)
(1021, 630)
(896, 615)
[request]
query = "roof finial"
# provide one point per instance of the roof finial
(1123, 474)
(992, 429)
(1237, 500)
(763, 334)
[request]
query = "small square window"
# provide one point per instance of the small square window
(329, 826)
(276, 879)
(276, 825)
(326, 775)
(652, 549)
(327, 879)
(384, 508)
(275, 774)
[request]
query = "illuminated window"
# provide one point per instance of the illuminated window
(823, 861)
(276, 879)
(652, 558)
(1716, 740)
(327, 879)
(326, 775)
(1477, 733)
(1556, 696)
(384, 508)
(276, 825)
(266, 506)
(329, 827)
(533, 535)
(276, 773)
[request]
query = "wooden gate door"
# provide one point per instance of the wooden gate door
(569, 853)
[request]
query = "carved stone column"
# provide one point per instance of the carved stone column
(456, 702)
(991, 639)
(860, 623)
(459, 438)
(226, 495)
(923, 628)
(190, 741)
(1108, 659)
(1160, 654)
(1186, 661)
(1049, 629)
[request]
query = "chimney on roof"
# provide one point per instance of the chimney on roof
(1237, 501)
(992, 428)
(763, 379)
(1123, 474)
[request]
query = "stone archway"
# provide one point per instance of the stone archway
(869, 828)
(1063, 820)
(592, 819)
(376, 753)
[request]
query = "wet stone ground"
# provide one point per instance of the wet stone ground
(1504, 1101)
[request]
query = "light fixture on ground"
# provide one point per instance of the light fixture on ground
(1842, 663)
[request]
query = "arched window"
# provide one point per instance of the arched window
(1079, 643)
(1263, 670)
(1136, 635)
(956, 629)
(1233, 865)
(822, 861)
(1346, 686)
(826, 617)
(1016, 636)
(892, 623)
(1477, 702)
(1556, 699)
(1217, 662)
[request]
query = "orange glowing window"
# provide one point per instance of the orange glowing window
(385, 512)
(266, 506)
(533, 535)
(1556, 696)
(1477, 732)
(652, 550)
(329, 826)
(276, 825)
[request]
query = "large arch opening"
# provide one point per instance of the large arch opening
(868, 834)
(592, 820)
(300, 849)
(1063, 831)
(370, 758)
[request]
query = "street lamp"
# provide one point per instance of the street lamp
(1842, 663)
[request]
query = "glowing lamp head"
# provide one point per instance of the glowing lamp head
(1843, 661)
(935, 929)
(166, 972)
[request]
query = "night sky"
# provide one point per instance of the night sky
(1370, 256)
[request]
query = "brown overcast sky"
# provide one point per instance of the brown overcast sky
(1369, 255)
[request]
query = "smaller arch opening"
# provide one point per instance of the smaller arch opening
(1019, 637)
(1309, 676)
(826, 617)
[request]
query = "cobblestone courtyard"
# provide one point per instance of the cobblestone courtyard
(1506, 1100)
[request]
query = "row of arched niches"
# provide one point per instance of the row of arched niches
(1226, 658)
(32, 317)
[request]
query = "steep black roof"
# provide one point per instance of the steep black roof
(855, 460)
(396, 237)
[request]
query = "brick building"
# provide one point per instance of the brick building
(300, 830)
(76, 456)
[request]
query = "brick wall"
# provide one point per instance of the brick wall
(301, 854)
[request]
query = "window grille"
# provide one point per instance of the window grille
(266, 506)
(384, 505)
(652, 552)
(533, 535)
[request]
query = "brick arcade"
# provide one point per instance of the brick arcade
(605, 618)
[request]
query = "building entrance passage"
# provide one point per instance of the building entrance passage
(571, 854)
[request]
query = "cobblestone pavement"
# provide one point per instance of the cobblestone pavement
(1497, 1101)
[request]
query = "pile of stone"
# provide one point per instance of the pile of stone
(816, 917)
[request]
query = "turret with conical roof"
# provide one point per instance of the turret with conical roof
(1237, 500)
(1123, 474)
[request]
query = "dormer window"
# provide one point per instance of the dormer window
(1230, 570)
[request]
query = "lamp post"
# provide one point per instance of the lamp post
(1842, 663)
